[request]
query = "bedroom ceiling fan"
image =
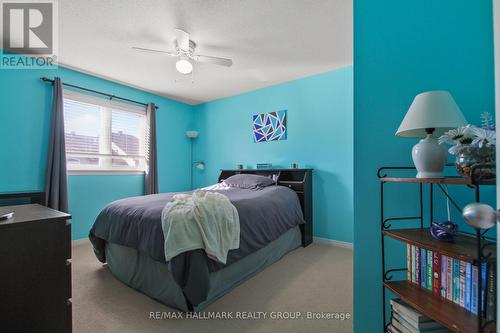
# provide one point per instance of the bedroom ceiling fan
(184, 50)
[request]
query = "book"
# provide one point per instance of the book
(473, 291)
(491, 292)
(405, 327)
(423, 268)
(399, 328)
(449, 278)
(456, 281)
(417, 265)
(420, 326)
(461, 286)
(468, 283)
(408, 262)
(392, 329)
(404, 309)
(413, 261)
(443, 276)
(430, 276)
(483, 286)
(436, 269)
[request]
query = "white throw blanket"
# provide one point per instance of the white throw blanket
(203, 220)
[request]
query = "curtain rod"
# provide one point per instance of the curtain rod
(46, 79)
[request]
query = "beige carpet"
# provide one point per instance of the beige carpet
(313, 279)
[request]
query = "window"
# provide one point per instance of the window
(103, 135)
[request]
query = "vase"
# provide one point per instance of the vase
(469, 157)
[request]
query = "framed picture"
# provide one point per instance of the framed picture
(269, 126)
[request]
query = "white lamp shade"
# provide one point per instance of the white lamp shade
(192, 134)
(432, 109)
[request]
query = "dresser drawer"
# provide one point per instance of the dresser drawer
(69, 316)
(67, 240)
(68, 279)
(297, 186)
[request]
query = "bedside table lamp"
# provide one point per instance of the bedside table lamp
(430, 115)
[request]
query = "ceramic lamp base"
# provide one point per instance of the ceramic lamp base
(429, 158)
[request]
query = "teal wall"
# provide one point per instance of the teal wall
(25, 103)
(320, 124)
(400, 49)
(89, 194)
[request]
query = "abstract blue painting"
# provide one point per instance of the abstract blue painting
(269, 126)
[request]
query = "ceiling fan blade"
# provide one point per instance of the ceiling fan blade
(142, 49)
(213, 60)
(182, 38)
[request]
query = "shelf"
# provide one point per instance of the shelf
(464, 247)
(446, 180)
(437, 308)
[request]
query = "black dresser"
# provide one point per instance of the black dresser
(35, 273)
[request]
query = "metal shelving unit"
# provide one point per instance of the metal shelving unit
(471, 247)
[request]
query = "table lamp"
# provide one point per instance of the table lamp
(430, 115)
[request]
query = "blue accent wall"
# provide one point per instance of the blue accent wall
(25, 106)
(401, 49)
(89, 194)
(320, 125)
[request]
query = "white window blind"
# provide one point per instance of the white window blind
(103, 135)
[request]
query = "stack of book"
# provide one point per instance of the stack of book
(405, 319)
(453, 279)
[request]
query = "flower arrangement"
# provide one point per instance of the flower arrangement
(473, 145)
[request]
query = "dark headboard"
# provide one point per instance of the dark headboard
(299, 180)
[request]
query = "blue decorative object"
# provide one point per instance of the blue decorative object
(444, 231)
(269, 126)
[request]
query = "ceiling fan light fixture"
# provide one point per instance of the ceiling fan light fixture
(184, 66)
(185, 54)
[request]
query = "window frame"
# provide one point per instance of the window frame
(107, 106)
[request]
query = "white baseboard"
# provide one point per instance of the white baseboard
(332, 242)
(78, 242)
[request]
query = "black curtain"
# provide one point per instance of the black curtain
(56, 187)
(151, 177)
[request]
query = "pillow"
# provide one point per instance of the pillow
(249, 181)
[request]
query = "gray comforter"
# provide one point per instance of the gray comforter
(265, 214)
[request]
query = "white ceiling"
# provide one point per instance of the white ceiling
(270, 41)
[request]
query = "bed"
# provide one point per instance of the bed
(274, 220)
